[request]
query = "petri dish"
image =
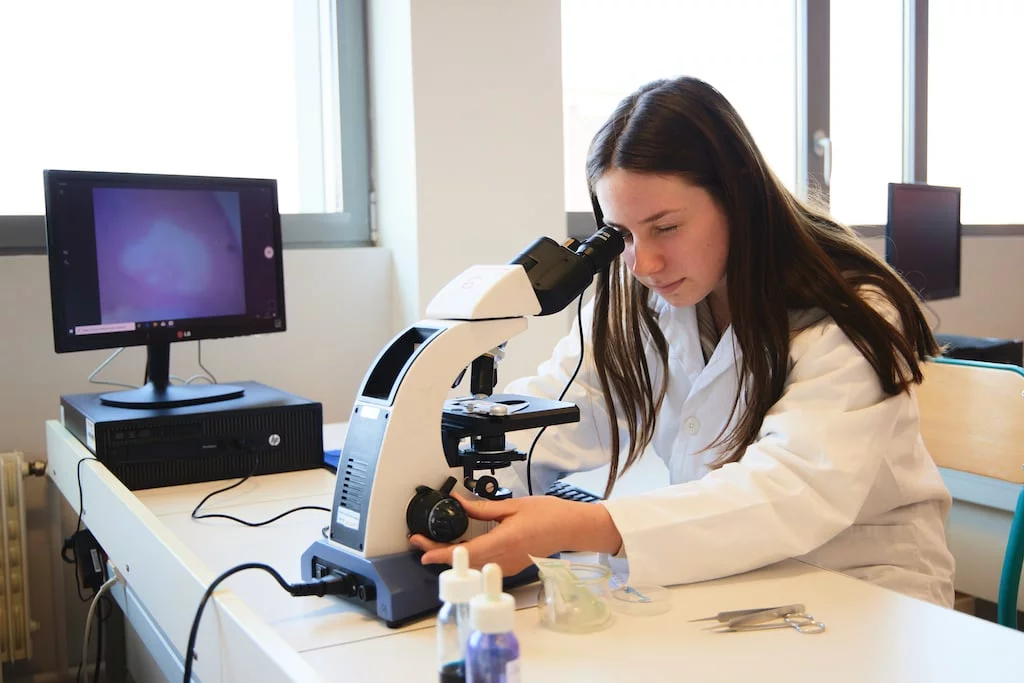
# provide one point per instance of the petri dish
(640, 600)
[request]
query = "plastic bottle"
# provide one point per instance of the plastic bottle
(457, 586)
(492, 654)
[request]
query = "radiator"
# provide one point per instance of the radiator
(15, 623)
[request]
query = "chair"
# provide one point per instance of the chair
(972, 420)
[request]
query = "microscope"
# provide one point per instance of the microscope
(408, 444)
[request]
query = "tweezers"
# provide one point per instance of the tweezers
(757, 615)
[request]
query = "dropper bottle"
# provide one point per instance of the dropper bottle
(457, 586)
(492, 654)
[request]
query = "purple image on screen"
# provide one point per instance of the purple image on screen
(168, 254)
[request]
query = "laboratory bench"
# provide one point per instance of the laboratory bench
(254, 631)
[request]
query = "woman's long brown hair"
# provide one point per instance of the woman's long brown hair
(784, 256)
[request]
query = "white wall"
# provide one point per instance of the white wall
(339, 316)
(467, 105)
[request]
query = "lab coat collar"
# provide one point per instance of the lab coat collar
(724, 359)
(682, 326)
(683, 337)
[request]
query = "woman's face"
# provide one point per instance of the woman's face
(677, 237)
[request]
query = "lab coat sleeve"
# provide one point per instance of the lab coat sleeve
(799, 485)
(573, 447)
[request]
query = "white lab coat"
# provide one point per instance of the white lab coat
(838, 477)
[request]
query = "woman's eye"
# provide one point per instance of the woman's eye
(665, 228)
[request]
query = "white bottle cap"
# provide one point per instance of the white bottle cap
(492, 611)
(460, 583)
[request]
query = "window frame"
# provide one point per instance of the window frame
(352, 227)
(813, 45)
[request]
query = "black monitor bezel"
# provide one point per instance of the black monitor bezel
(211, 328)
(890, 246)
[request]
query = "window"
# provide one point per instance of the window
(745, 49)
(198, 87)
(865, 107)
(975, 104)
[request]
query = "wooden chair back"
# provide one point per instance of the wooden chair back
(972, 420)
(972, 417)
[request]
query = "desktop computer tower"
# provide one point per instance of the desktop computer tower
(264, 431)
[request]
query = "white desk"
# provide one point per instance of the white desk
(257, 633)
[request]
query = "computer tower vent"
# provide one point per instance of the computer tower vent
(217, 447)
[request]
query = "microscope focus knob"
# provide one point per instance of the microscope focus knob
(436, 514)
(486, 487)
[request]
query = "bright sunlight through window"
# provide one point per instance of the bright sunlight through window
(197, 87)
(745, 49)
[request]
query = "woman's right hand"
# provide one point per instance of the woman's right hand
(537, 525)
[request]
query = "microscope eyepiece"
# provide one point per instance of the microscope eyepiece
(601, 248)
(560, 272)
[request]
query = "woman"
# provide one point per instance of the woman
(765, 354)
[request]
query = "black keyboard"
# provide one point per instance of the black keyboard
(560, 489)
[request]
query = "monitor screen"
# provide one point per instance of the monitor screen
(154, 259)
(922, 238)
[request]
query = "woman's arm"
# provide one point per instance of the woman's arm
(537, 525)
(803, 482)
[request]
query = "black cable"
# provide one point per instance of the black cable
(247, 523)
(99, 627)
(99, 648)
(81, 503)
(579, 364)
(69, 542)
(105, 601)
(100, 619)
(330, 586)
(217, 515)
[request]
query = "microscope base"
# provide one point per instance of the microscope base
(396, 587)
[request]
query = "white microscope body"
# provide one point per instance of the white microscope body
(404, 434)
(467, 319)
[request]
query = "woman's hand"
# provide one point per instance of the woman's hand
(538, 526)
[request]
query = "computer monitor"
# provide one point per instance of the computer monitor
(922, 238)
(150, 260)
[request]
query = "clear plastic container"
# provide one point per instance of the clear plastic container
(576, 601)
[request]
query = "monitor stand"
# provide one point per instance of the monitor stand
(158, 392)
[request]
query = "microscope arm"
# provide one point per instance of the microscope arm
(543, 279)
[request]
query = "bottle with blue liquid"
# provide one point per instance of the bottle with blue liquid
(456, 587)
(492, 654)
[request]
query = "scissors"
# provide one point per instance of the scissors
(761, 619)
